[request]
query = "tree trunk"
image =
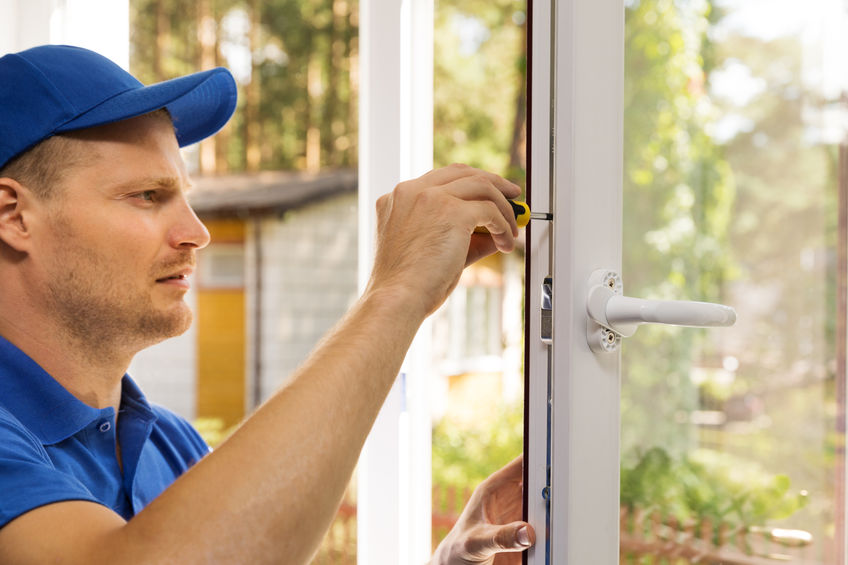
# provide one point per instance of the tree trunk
(162, 29)
(222, 138)
(517, 153)
(335, 61)
(352, 129)
(206, 36)
(252, 123)
(841, 339)
(313, 105)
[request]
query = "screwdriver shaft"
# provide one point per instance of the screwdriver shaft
(522, 215)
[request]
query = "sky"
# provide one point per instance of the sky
(821, 27)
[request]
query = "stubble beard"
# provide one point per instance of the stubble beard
(98, 312)
(104, 319)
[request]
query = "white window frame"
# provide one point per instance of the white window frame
(575, 173)
(100, 25)
(395, 144)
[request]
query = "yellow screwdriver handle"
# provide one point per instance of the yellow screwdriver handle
(522, 212)
(522, 215)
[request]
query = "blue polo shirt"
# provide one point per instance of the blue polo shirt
(54, 447)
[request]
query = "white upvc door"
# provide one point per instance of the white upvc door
(765, 400)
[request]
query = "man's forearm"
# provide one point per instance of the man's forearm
(272, 489)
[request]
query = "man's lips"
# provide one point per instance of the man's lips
(179, 278)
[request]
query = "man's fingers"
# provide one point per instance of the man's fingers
(480, 188)
(472, 188)
(453, 172)
(485, 214)
(425, 230)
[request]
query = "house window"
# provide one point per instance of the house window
(221, 265)
(468, 330)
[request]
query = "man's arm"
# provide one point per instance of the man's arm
(268, 494)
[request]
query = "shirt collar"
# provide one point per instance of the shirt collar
(43, 405)
(133, 400)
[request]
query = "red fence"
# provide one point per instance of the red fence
(339, 546)
(649, 538)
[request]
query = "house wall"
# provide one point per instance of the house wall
(166, 372)
(309, 270)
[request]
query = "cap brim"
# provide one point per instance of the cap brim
(200, 104)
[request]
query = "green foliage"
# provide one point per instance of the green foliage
(703, 484)
(752, 202)
(479, 74)
(212, 430)
(311, 87)
(679, 195)
(707, 484)
(677, 187)
(292, 60)
(464, 455)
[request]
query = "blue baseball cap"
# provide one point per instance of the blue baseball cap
(58, 88)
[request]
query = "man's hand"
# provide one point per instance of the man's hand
(425, 231)
(489, 531)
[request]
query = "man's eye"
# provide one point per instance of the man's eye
(147, 195)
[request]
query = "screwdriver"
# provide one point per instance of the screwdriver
(523, 215)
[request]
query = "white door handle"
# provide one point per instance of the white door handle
(613, 316)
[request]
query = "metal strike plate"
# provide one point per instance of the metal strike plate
(547, 311)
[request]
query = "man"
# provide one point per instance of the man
(97, 244)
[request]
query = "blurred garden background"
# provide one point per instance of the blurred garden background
(735, 111)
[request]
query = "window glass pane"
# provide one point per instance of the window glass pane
(477, 335)
(734, 115)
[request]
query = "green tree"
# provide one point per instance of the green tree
(678, 193)
(784, 233)
(707, 485)
(292, 60)
(480, 75)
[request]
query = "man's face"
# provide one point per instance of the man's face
(119, 240)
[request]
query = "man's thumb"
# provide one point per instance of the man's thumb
(516, 536)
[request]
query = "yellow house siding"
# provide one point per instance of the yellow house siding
(221, 336)
(226, 230)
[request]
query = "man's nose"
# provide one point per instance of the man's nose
(188, 230)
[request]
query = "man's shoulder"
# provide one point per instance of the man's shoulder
(28, 476)
(6, 417)
(15, 435)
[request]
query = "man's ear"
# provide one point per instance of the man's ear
(14, 229)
